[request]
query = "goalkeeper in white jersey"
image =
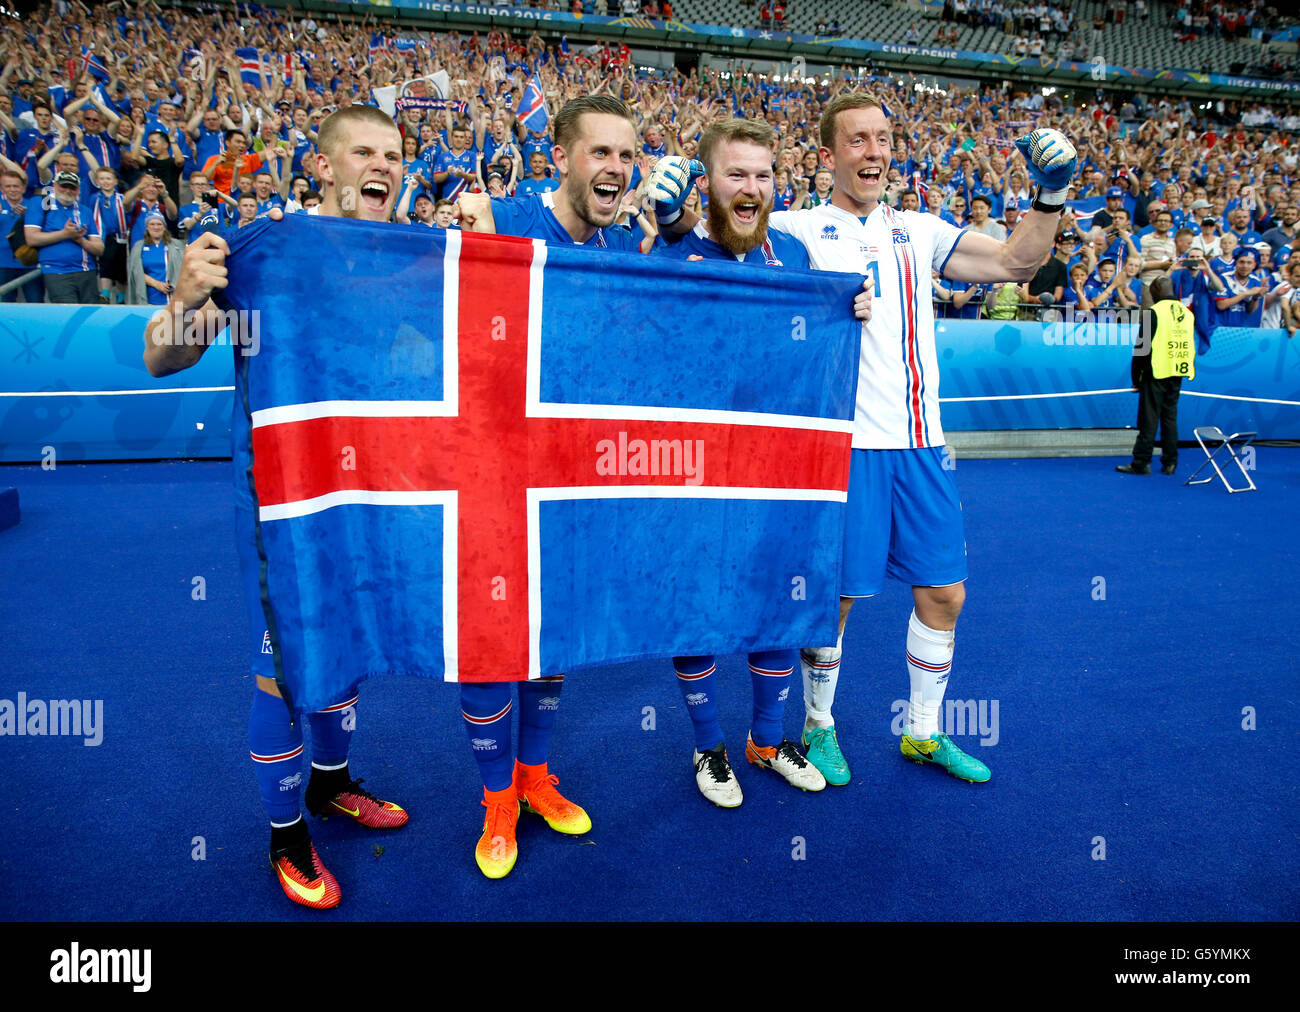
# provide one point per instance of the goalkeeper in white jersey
(904, 517)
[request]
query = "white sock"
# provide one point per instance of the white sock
(821, 673)
(929, 661)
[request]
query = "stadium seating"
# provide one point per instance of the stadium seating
(1137, 42)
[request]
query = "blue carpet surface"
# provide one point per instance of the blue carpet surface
(1117, 628)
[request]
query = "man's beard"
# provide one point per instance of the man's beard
(722, 232)
(582, 207)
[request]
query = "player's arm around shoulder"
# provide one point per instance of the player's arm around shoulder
(474, 212)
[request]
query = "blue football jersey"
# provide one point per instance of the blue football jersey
(777, 250)
(534, 218)
(529, 186)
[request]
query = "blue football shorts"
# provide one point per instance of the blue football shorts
(904, 521)
(263, 661)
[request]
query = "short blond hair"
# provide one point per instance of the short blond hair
(842, 103)
(751, 131)
(332, 129)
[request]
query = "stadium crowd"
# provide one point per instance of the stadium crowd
(125, 129)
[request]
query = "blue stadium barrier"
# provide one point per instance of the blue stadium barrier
(1076, 376)
(73, 380)
(73, 386)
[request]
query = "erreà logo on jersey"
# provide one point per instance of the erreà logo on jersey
(482, 744)
(901, 238)
(830, 232)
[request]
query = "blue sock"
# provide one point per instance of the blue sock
(486, 708)
(770, 671)
(276, 748)
(695, 679)
(538, 703)
(331, 732)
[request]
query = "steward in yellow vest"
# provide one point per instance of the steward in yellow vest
(1173, 340)
(1164, 356)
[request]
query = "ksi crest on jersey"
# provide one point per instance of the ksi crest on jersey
(901, 238)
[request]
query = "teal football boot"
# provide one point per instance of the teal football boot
(939, 750)
(823, 750)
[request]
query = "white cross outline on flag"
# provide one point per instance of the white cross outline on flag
(449, 406)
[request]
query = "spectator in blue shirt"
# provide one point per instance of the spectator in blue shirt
(454, 170)
(956, 213)
(538, 179)
(109, 207)
(963, 300)
(1239, 225)
(416, 173)
(264, 191)
(444, 214)
(1194, 284)
(31, 144)
(153, 264)
(209, 135)
(423, 212)
(653, 143)
(1076, 292)
(536, 142)
(1101, 292)
(206, 200)
(1283, 232)
(12, 185)
(1129, 292)
(1242, 305)
(64, 232)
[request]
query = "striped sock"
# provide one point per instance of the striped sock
(695, 679)
(821, 674)
(331, 732)
(276, 749)
(929, 661)
(486, 708)
(539, 702)
(770, 671)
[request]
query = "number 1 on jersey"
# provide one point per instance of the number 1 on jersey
(873, 268)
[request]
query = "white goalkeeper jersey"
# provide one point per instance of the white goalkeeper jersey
(898, 371)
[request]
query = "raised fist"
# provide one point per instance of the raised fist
(1052, 161)
(670, 184)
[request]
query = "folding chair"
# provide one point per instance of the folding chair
(1237, 441)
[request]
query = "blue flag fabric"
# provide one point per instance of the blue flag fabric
(250, 65)
(532, 108)
(1084, 209)
(484, 459)
(93, 65)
